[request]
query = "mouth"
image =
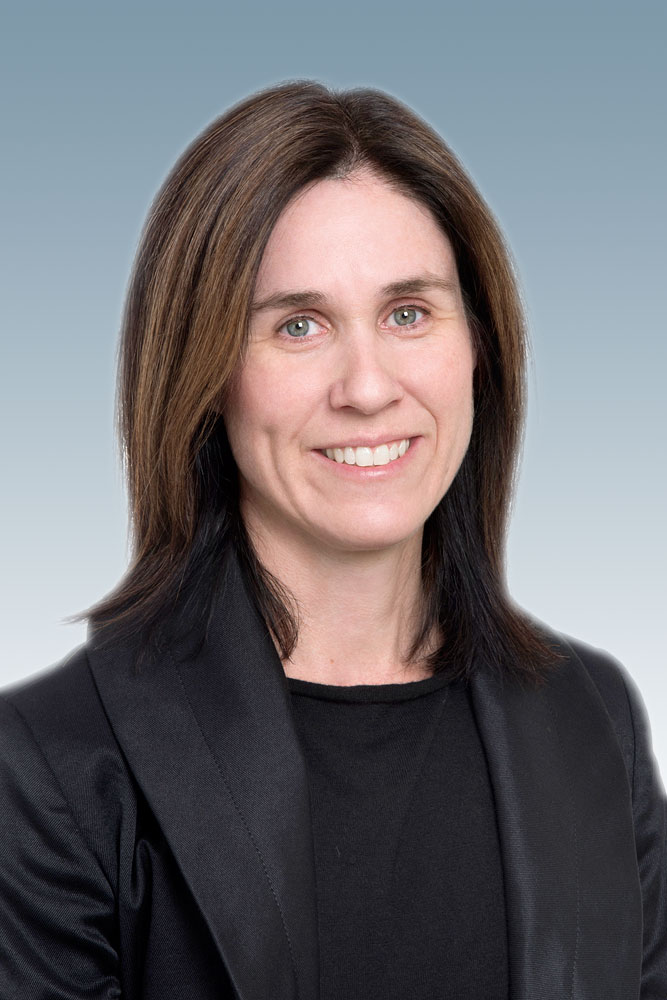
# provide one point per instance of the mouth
(383, 454)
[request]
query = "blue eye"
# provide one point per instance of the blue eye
(305, 327)
(298, 325)
(406, 315)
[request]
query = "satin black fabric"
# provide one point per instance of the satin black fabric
(156, 837)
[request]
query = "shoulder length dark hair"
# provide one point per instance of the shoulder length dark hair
(184, 332)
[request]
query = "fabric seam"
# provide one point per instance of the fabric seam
(577, 858)
(634, 738)
(240, 814)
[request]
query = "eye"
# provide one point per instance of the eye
(298, 327)
(408, 315)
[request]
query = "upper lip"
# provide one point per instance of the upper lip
(366, 441)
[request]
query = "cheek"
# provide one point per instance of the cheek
(243, 416)
(450, 395)
(256, 415)
(466, 401)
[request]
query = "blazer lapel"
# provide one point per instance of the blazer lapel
(210, 739)
(565, 822)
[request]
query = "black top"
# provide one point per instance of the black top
(409, 877)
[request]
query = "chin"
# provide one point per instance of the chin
(356, 537)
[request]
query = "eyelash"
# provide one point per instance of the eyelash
(312, 319)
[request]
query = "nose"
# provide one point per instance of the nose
(364, 376)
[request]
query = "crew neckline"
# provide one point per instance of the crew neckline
(367, 692)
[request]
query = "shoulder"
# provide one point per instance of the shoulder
(59, 757)
(63, 799)
(50, 690)
(587, 663)
(620, 699)
(615, 689)
(59, 708)
(610, 677)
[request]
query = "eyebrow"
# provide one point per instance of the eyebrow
(313, 297)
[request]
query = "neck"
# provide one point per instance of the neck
(358, 611)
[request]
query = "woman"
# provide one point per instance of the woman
(311, 748)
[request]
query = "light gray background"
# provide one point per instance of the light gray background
(558, 111)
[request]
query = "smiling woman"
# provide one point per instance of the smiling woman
(311, 748)
(349, 423)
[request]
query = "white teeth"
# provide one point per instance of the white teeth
(382, 455)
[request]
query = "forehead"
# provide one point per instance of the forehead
(355, 232)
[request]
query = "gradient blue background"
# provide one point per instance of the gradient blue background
(557, 109)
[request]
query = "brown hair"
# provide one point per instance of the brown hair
(184, 332)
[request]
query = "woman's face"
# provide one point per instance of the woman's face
(358, 344)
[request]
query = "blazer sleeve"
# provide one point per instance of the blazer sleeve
(650, 821)
(57, 908)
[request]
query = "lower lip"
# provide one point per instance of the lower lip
(359, 473)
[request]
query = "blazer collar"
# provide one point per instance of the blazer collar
(210, 740)
(209, 737)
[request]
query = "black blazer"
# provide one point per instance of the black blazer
(156, 838)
